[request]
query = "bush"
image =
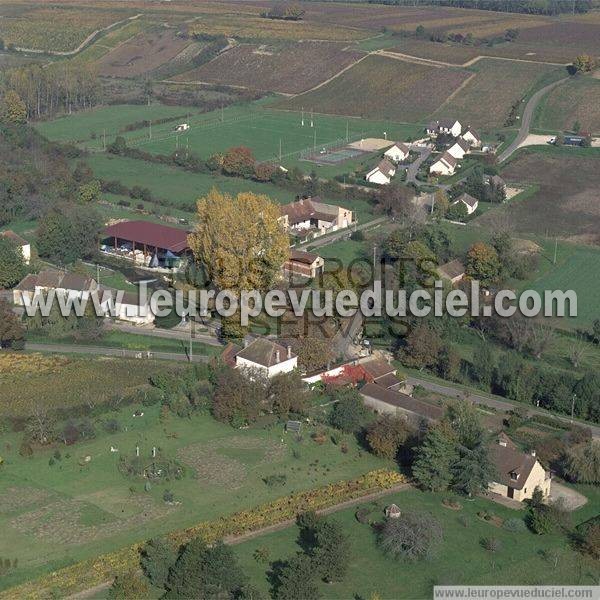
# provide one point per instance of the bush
(413, 536)
(491, 544)
(275, 480)
(515, 525)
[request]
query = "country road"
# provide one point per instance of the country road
(493, 402)
(342, 233)
(118, 352)
(527, 118)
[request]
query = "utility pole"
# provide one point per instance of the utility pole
(150, 128)
(555, 250)
(303, 116)
(314, 139)
(347, 131)
(312, 123)
(104, 138)
(573, 407)
(279, 148)
(191, 345)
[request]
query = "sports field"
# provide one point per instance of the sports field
(265, 131)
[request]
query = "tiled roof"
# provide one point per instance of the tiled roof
(264, 352)
(513, 466)
(452, 269)
(408, 403)
(13, 237)
(309, 208)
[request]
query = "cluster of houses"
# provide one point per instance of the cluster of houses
(385, 170)
(463, 141)
(384, 391)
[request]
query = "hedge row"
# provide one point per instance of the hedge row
(95, 571)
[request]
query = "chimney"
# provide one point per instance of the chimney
(277, 356)
(289, 352)
(533, 453)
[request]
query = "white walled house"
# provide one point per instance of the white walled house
(468, 200)
(471, 137)
(19, 242)
(444, 165)
(310, 215)
(398, 152)
(459, 148)
(125, 306)
(446, 126)
(267, 357)
(382, 173)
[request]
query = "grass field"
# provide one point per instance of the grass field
(576, 100)
(52, 515)
(483, 103)
(461, 558)
(382, 87)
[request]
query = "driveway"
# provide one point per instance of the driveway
(572, 499)
(413, 168)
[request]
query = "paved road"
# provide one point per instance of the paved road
(172, 334)
(494, 402)
(119, 352)
(413, 168)
(526, 119)
(343, 233)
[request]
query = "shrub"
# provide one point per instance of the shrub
(275, 480)
(491, 544)
(413, 536)
(515, 525)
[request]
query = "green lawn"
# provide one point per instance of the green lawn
(460, 560)
(53, 515)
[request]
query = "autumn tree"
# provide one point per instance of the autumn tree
(13, 109)
(441, 204)
(386, 435)
(313, 352)
(422, 347)
(11, 328)
(239, 161)
(349, 413)
(395, 200)
(483, 263)
(287, 393)
(128, 586)
(584, 63)
(12, 264)
(239, 240)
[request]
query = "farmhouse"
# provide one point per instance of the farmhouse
(382, 173)
(150, 245)
(468, 200)
(387, 401)
(398, 152)
(19, 242)
(459, 148)
(471, 137)
(496, 182)
(445, 165)
(124, 306)
(262, 355)
(311, 216)
(303, 264)
(69, 285)
(518, 473)
(445, 126)
(454, 271)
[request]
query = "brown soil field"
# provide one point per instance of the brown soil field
(141, 54)
(567, 203)
(486, 100)
(291, 70)
(383, 88)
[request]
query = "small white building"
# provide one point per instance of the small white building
(459, 148)
(445, 126)
(471, 137)
(398, 152)
(125, 306)
(182, 127)
(468, 200)
(444, 165)
(382, 173)
(266, 356)
(19, 242)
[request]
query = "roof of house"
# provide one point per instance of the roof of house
(300, 256)
(463, 144)
(513, 466)
(408, 403)
(51, 278)
(448, 159)
(467, 199)
(150, 234)
(386, 167)
(228, 355)
(497, 180)
(264, 352)
(13, 237)
(377, 367)
(310, 208)
(27, 284)
(388, 381)
(452, 269)
(75, 281)
(441, 123)
(472, 132)
(401, 146)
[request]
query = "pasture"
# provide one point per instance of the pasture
(58, 507)
(486, 100)
(383, 88)
(575, 100)
(290, 69)
(523, 558)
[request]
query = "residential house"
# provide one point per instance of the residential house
(496, 181)
(124, 306)
(19, 242)
(311, 216)
(264, 356)
(518, 473)
(459, 148)
(398, 152)
(454, 271)
(444, 165)
(69, 285)
(382, 173)
(387, 401)
(304, 264)
(444, 126)
(471, 137)
(468, 200)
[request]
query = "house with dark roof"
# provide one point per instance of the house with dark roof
(459, 148)
(444, 165)
(453, 271)
(444, 126)
(468, 200)
(382, 173)
(18, 242)
(311, 216)
(398, 152)
(303, 264)
(471, 137)
(518, 473)
(265, 356)
(68, 284)
(150, 245)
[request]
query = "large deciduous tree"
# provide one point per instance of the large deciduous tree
(12, 265)
(239, 240)
(483, 263)
(11, 328)
(386, 435)
(350, 413)
(413, 536)
(13, 109)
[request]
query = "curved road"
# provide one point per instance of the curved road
(527, 117)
